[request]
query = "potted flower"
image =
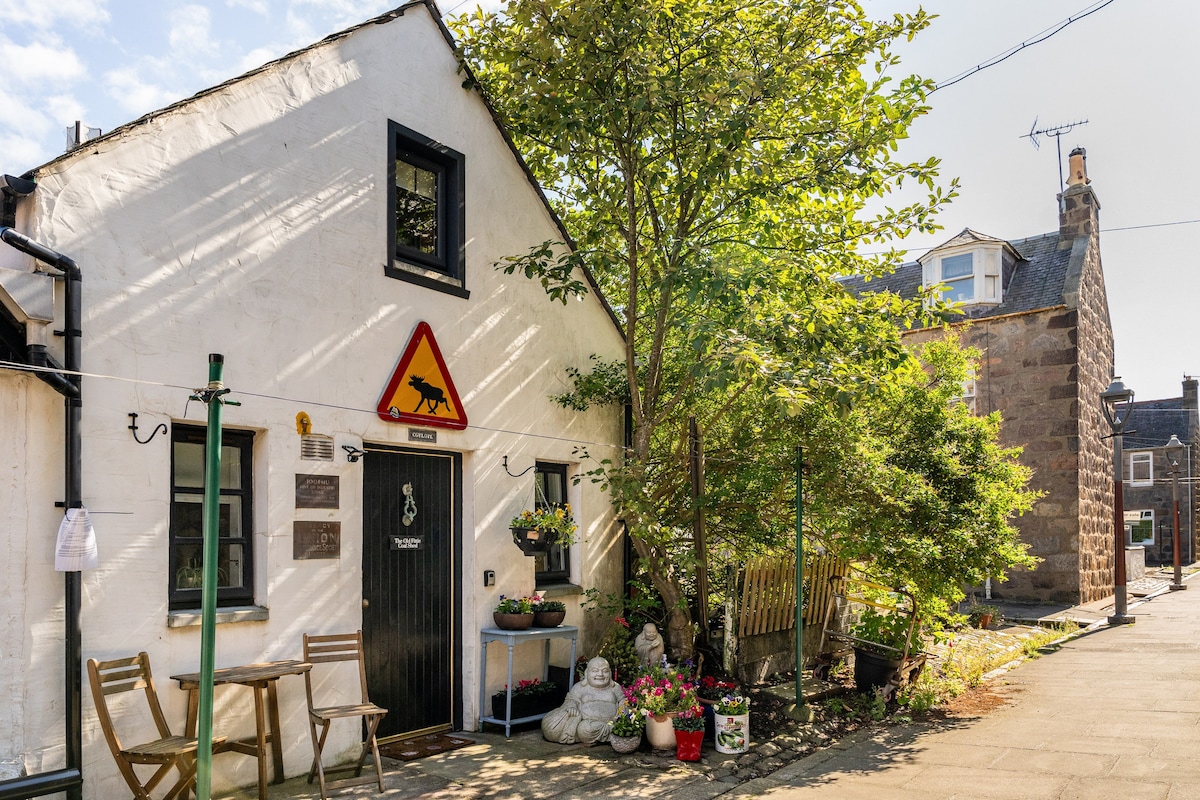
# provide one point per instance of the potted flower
(732, 713)
(689, 733)
(981, 616)
(536, 531)
(627, 729)
(513, 613)
(529, 699)
(880, 642)
(548, 613)
(709, 690)
(661, 693)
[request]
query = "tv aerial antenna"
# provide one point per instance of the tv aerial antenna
(1057, 132)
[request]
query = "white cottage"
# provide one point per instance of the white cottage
(329, 224)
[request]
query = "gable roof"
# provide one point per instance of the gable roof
(1039, 279)
(89, 147)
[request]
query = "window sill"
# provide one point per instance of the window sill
(187, 618)
(559, 590)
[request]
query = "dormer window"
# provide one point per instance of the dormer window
(968, 276)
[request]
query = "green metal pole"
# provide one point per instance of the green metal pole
(208, 596)
(800, 710)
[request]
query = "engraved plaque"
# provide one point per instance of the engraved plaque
(318, 491)
(316, 540)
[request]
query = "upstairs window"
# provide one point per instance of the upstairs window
(958, 273)
(1141, 469)
(970, 277)
(426, 218)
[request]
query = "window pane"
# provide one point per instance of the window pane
(189, 464)
(1139, 468)
(231, 570)
(416, 207)
(957, 266)
(959, 290)
(231, 467)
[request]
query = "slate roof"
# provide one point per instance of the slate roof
(1153, 422)
(1037, 282)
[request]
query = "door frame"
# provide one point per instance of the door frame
(457, 588)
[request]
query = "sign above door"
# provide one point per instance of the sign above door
(421, 390)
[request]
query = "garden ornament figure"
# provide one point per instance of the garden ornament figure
(649, 645)
(586, 715)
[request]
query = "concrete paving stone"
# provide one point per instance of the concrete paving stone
(1151, 769)
(1102, 745)
(1183, 791)
(645, 783)
(1097, 788)
(987, 783)
(1054, 762)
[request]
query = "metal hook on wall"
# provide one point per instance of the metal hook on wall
(133, 426)
(519, 474)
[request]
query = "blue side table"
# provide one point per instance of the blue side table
(513, 638)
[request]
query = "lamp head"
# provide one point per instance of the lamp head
(1174, 451)
(1117, 403)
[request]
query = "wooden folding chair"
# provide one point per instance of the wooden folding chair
(330, 648)
(167, 751)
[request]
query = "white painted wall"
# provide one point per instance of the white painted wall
(252, 222)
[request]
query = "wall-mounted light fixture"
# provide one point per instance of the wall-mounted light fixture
(353, 454)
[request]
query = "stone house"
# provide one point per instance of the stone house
(329, 223)
(1037, 311)
(1149, 486)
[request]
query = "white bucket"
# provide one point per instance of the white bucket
(733, 732)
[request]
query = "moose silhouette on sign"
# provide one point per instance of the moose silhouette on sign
(431, 396)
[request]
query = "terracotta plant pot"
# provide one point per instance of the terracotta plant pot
(512, 622)
(688, 744)
(985, 621)
(660, 732)
(548, 619)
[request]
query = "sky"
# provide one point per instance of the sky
(1125, 68)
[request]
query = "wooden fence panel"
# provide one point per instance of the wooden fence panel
(769, 592)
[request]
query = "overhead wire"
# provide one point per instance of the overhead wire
(19, 367)
(1038, 38)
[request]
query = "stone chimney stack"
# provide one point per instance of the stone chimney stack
(1078, 206)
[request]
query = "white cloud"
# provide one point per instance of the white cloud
(191, 30)
(65, 109)
(48, 13)
(135, 95)
(48, 61)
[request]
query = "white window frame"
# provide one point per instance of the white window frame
(1142, 458)
(1145, 522)
(986, 273)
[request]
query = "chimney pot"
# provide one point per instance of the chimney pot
(1078, 167)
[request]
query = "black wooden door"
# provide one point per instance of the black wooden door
(410, 587)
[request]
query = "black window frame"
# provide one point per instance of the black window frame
(542, 575)
(445, 272)
(189, 599)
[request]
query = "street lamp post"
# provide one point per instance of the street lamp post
(1117, 404)
(1174, 451)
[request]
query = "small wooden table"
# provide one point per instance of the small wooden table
(258, 677)
(513, 638)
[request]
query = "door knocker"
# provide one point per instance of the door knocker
(410, 507)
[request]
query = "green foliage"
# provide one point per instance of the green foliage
(628, 723)
(889, 630)
(617, 648)
(713, 161)
(515, 605)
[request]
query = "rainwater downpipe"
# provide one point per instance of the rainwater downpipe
(70, 778)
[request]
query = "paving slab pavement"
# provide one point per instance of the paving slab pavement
(1113, 713)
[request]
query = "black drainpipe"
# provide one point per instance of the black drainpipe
(70, 778)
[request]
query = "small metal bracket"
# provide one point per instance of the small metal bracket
(133, 426)
(353, 454)
(519, 474)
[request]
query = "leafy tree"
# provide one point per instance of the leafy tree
(713, 159)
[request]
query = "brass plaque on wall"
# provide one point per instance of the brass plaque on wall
(317, 491)
(316, 540)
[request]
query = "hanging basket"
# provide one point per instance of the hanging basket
(534, 541)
